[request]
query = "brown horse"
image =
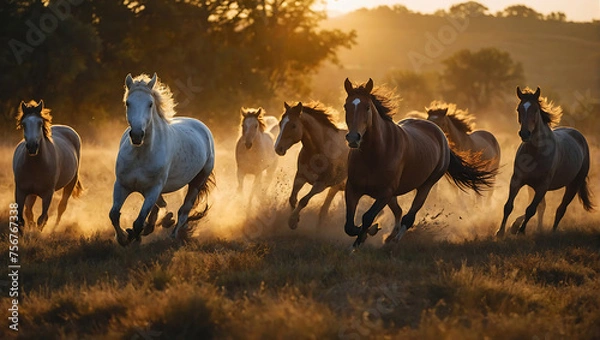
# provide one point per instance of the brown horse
(46, 160)
(322, 161)
(254, 152)
(460, 130)
(388, 160)
(547, 159)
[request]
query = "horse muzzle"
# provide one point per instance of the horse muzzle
(280, 150)
(32, 148)
(137, 138)
(353, 139)
(248, 145)
(525, 135)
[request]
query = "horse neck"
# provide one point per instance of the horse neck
(457, 137)
(377, 132)
(542, 139)
(158, 128)
(312, 135)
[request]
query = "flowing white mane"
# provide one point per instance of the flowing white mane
(163, 97)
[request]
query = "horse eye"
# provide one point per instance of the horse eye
(127, 104)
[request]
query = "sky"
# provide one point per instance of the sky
(576, 10)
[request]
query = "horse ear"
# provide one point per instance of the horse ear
(519, 93)
(23, 106)
(260, 111)
(369, 85)
(243, 111)
(152, 81)
(40, 105)
(128, 81)
(537, 93)
(348, 86)
(286, 106)
(445, 111)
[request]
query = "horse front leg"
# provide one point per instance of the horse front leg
(515, 186)
(351, 197)
(531, 209)
(397, 211)
(295, 216)
(327, 203)
(299, 182)
(28, 209)
(46, 200)
(120, 194)
(368, 218)
(150, 199)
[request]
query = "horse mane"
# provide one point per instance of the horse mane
(385, 100)
(462, 119)
(256, 113)
(163, 97)
(45, 115)
(551, 114)
(321, 113)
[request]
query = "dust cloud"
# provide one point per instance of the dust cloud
(449, 214)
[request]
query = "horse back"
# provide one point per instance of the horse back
(485, 142)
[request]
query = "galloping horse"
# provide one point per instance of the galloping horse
(160, 154)
(47, 160)
(254, 152)
(322, 161)
(459, 128)
(388, 160)
(547, 159)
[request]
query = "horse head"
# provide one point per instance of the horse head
(290, 128)
(252, 120)
(438, 116)
(359, 111)
(34, 125)
(528, 112)
(139, 103)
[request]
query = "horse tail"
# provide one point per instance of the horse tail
(467, 170)
(585, 196)
(202, 197)
(78, 189)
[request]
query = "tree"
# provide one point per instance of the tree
(415, 89)
(476, 79)
(520, 11)
(468, 9)
(557, 16)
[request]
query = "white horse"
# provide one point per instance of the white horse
(160, 154)
(254, 153)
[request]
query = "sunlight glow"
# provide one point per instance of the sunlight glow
(582, 10)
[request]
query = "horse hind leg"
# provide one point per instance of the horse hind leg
(198, 188)
(66, 194)
(409, 219)
(570, 193)
(397, 211)
(153, 217)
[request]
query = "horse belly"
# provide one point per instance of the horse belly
(68, 161)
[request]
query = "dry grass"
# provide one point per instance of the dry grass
(247, 276)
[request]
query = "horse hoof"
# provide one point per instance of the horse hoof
(293, 222)
(148, 229)
(168, 221)
(374, 229)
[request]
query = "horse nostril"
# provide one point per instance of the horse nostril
(524, 134)
(353, 137)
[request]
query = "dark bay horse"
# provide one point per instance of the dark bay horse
(322, 161)
(46, 160)
(388, 160)
(254, 153)
(459, 127)
(548, 159)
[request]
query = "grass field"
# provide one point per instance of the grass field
(245, 275)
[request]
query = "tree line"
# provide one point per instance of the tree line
(213, 53)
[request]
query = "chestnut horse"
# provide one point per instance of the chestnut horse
(322, 161)
(46, 160)
(548, 159)
(388, 160)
